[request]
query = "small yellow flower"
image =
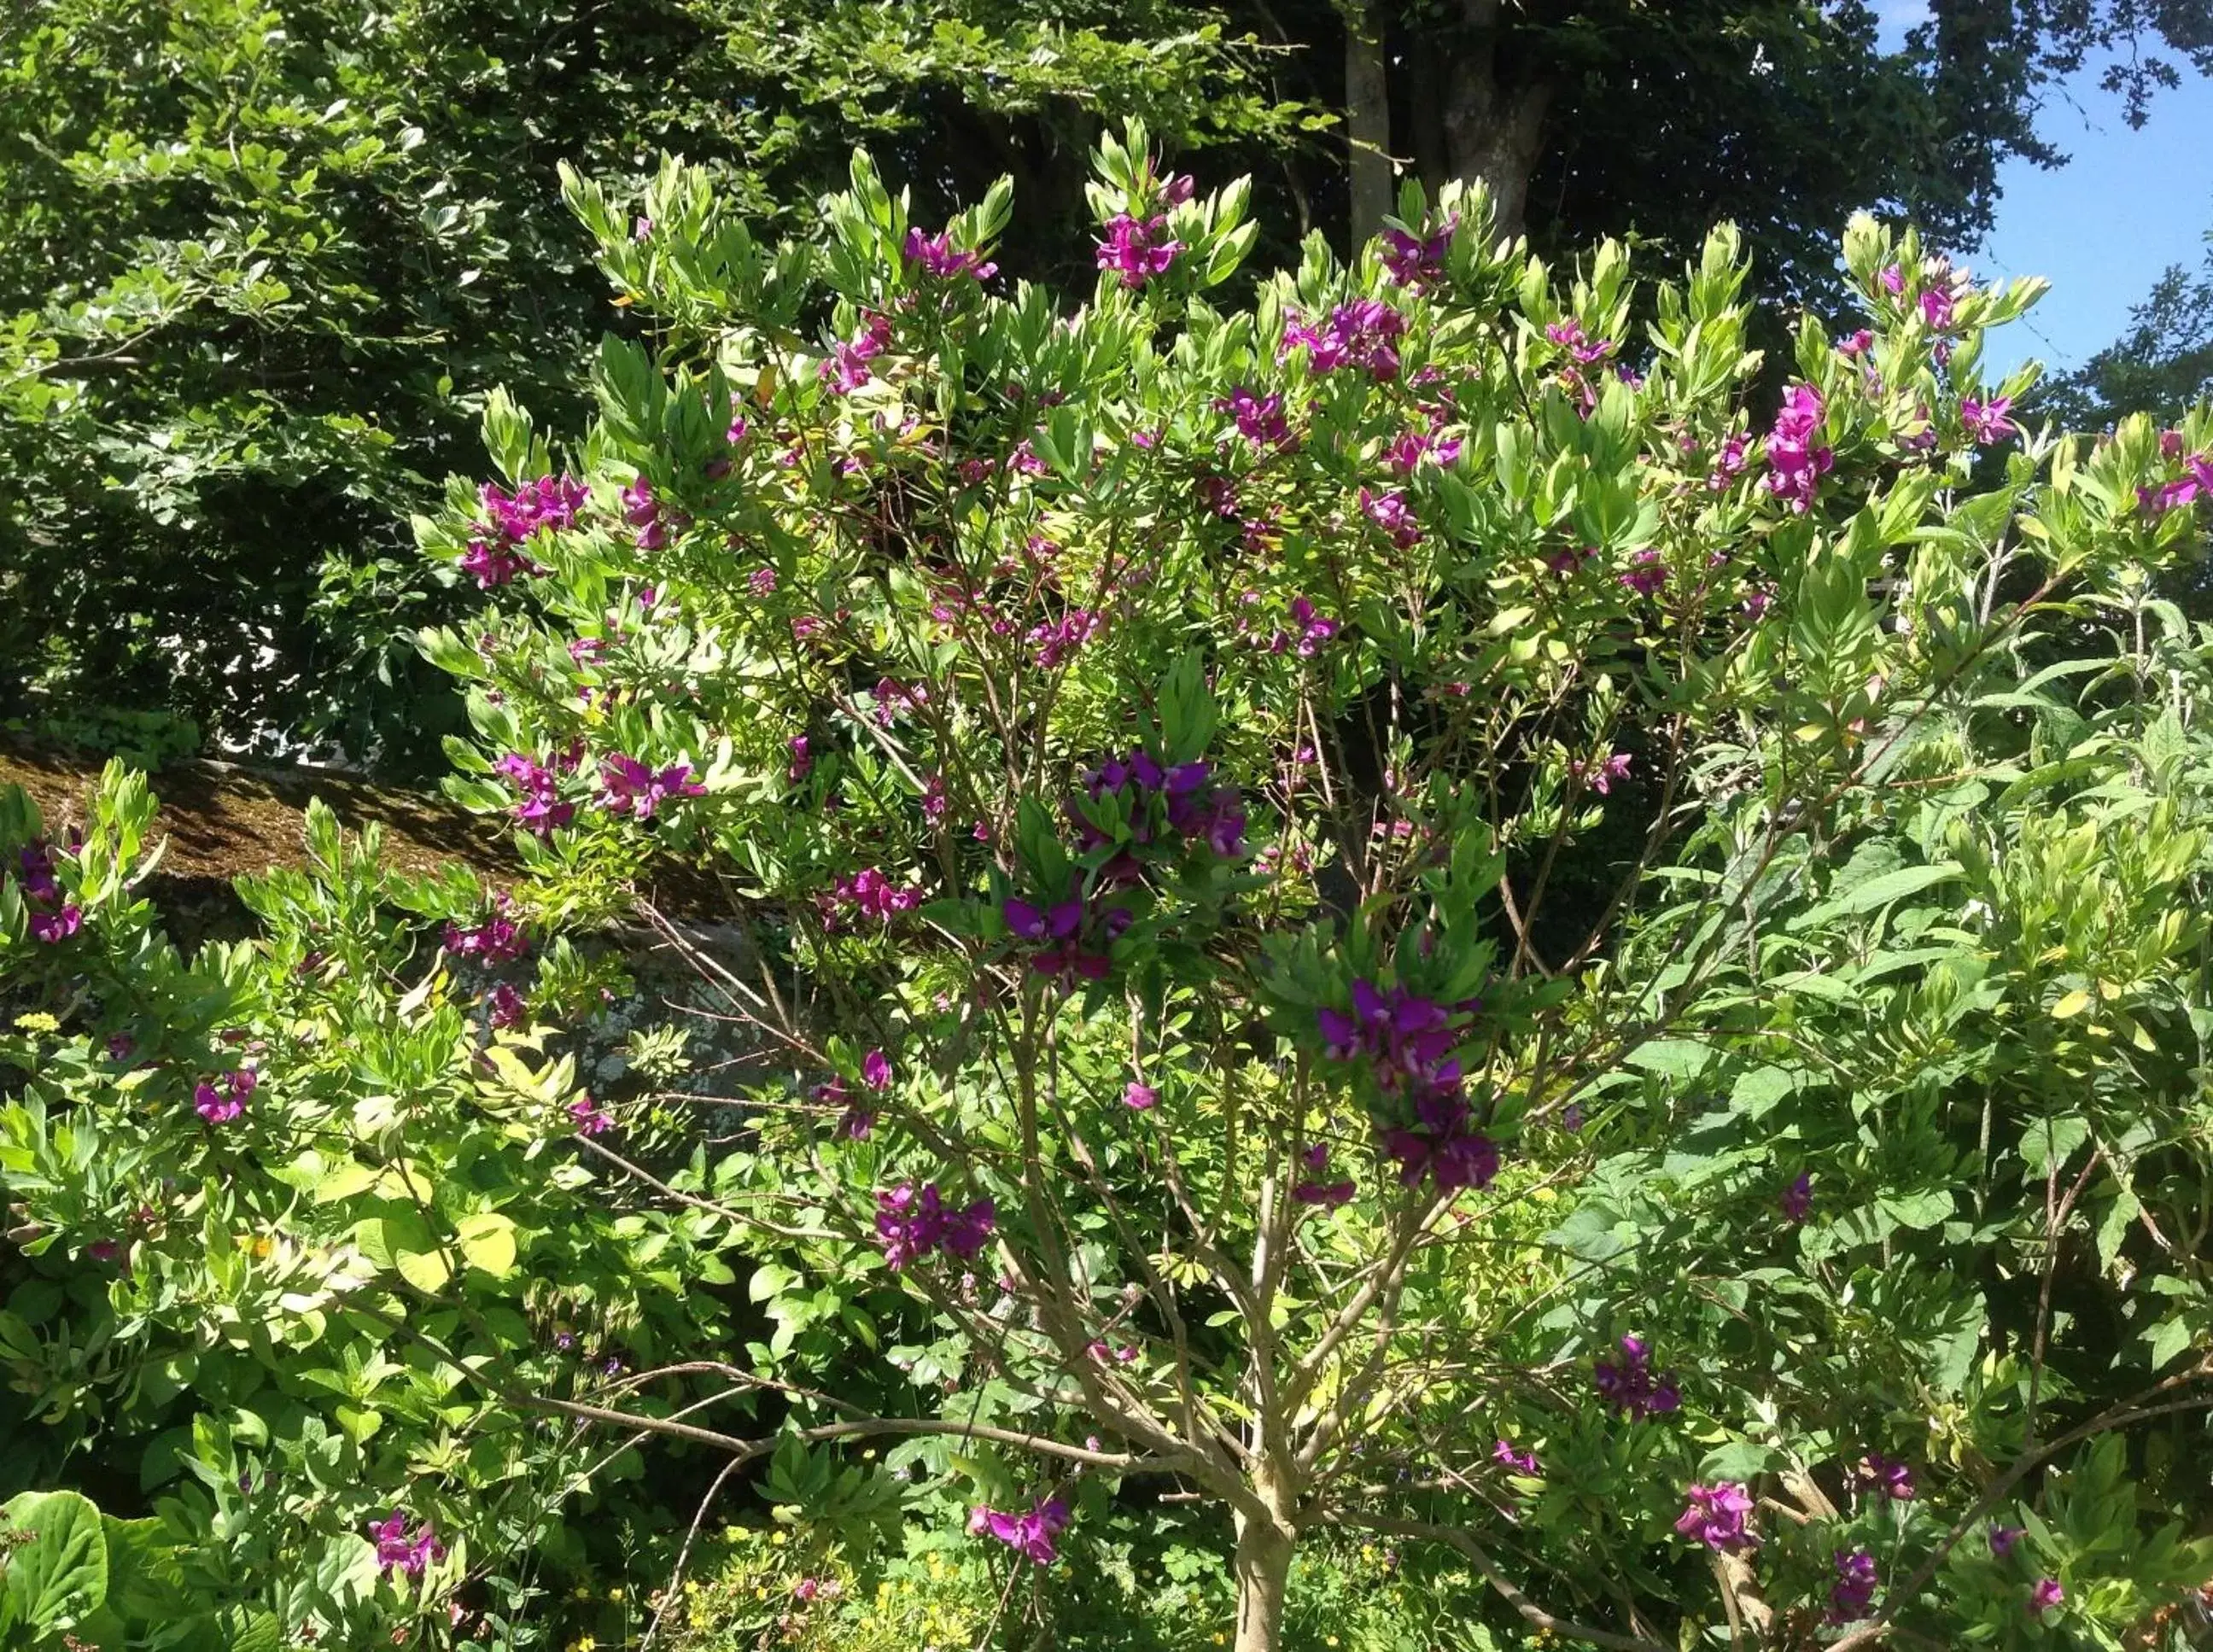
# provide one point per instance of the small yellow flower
(778, 1539)
(615, 1593)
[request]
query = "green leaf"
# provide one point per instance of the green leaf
(60, 1577)
(487, 1241)
(1925, 1209)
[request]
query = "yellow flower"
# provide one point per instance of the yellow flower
(615, 1593)
(778, 1539)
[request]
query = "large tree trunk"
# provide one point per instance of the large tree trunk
(1367, 118)
(1493, 131)
(1264, 1576)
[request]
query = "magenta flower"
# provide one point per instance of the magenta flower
(876, 1070)
(1140, 1097)
(51, 928)
(1893, 1479)
(1715, 1515)
(219, 1103)
(1416, 263)
(1328, 1196)
(400, 1551)
(1410, 447)
(1568, 335)
(2002, 1539)
(1853, 1592)
(911, 1224)
(1313, 630)
(546, 502)
(1937, 309)
(1629, 1388)
(1893, 280)
(1646, 574)
(628, 786)
(539, 810)
(491, 565)
(1261, 419)
(1797, 1199)
(1362, 333)
(1987, 421)
(801, 764)
(1030, 1534)
(1057, 639)
(1728, 463)
(589, 1117)
(1519, 1462)
(1601, 776)
(1137, 249)
(1391, 512)
(1858, 344)
(847, 368)
(936, 257)
(504, 1006)
(872, 894)
(498, 940)
(1794, 463)
(2045, 1596)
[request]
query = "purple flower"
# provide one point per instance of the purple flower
(1391, 512)
(402, 1551)
(1646, 574)
(1261, 419)
(1030, 1534)
(1795, 464)
(1362, 333)
(220, 1103)
(876, 1070)
(1728, 463)
(545, 503)
(801, 764)
(1893, 1479)
(539, 809)
(50, 928)
(872, 894)
(847, 370)
(491, 565)
(590, 1119)
(1858, 344)
(1137, 249)
(911, 1224)
(1629, 1388)
(1568, 335)
(1893, 280)
(1601, 776)
(1410, 447)
(1797, 1199)
(1057, 639)
(498, 940)
(2002, 1538)
(1715, 1515)
(1987, 421)
(1853, 1592)
(936, 257)
(2045, 1596)
(1415, 262)
(1313, 1191)
(505, 1007)
(628, 786)
(1140, 1097)
(1937, 309)
(1520, 1462)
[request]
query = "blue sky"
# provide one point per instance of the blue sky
(2102, 227)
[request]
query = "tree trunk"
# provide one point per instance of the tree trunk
(1367, 119)
(1493, 131)
(1264, 1576)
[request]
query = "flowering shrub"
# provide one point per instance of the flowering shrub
(1245, 680)
(287, 1257)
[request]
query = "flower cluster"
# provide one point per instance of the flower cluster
(1313, 1190)
(643, 512)
(1646, 574)
(936, 257)
(1987, 421)
(540, 809)
(1072, 935)
(1416, 263)
(1261, 419)
(1853, 1592)
(220, 1101)
(1520, 1462)
(1410, 447)
(1362, 333)
(1310, 629)
(547, 502)
(2195, 482)
(1137, 249)
(1057, 639)
(1568, 335)
(498, 940)
(1406, 1039)
(911, 1224)
(847, 370)
(403, 1551)
(1715, 1515)
(589, 1117)
(1029, 1534)
(1390, 512)
(1196, 810)
(1795, 464)
(1601, 776)
(1629, 1388)
(871, 894)
(1893, 1479)
(53, 918)
(629, 787)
